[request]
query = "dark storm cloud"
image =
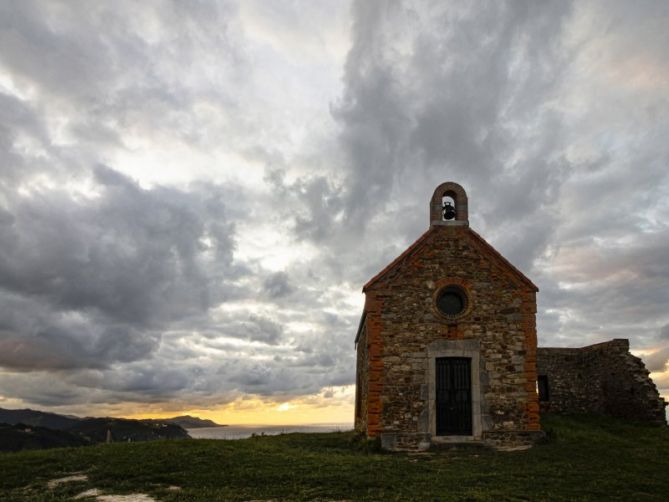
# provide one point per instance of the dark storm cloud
(133, 255)
(276, 360)
(312, 203)
(106, 77)
(214, 375)
(277, 285)
(36, 337)
(18, 120)
(42, 389)
(664, 332)
(88, 281)
(431, 92)
(83, 51)
(245, 325)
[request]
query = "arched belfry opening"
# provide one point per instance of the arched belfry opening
(448, 205)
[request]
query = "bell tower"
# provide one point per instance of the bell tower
(448, 205)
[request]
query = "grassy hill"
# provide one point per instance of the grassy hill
(584, 458)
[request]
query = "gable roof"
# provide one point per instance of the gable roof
(486, 247)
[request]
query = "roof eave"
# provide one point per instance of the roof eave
(361, 325)
(397, 260)
(509, 265)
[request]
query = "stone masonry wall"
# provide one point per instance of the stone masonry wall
(501, 320)
(603, 379)
(569, 382)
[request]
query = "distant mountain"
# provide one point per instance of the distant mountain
(188, 422)
(29, 437)
(37, 419)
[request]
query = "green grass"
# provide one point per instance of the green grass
(585, 458)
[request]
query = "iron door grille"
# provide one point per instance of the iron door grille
(454, 396)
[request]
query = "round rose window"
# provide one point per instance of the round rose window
(452, 301)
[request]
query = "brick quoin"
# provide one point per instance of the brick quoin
(373, 307)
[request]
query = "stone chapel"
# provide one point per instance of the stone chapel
(447, 349)
(447, 343)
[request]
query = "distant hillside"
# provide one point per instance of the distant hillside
(30, 429)
(122, 429)
(29, 437)
(65, 422)
(37, 418)
(188, 422)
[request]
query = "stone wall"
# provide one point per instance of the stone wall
(403, 323)
(603, 379)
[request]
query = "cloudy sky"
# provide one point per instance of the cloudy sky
(193, 193)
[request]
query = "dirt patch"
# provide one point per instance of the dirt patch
(99, 497)
(133, 497)
(73, 478)
(97, 494)
(93, 492)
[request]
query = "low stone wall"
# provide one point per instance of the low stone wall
(603, 379)
(400, 441)
(513, 440)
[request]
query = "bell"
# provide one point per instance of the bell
(449, 211)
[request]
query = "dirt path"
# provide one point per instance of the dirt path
(95, 493)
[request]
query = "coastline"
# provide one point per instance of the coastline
(242, 431)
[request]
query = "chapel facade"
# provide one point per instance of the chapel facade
(447, 343)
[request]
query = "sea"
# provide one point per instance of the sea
(245, 431)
